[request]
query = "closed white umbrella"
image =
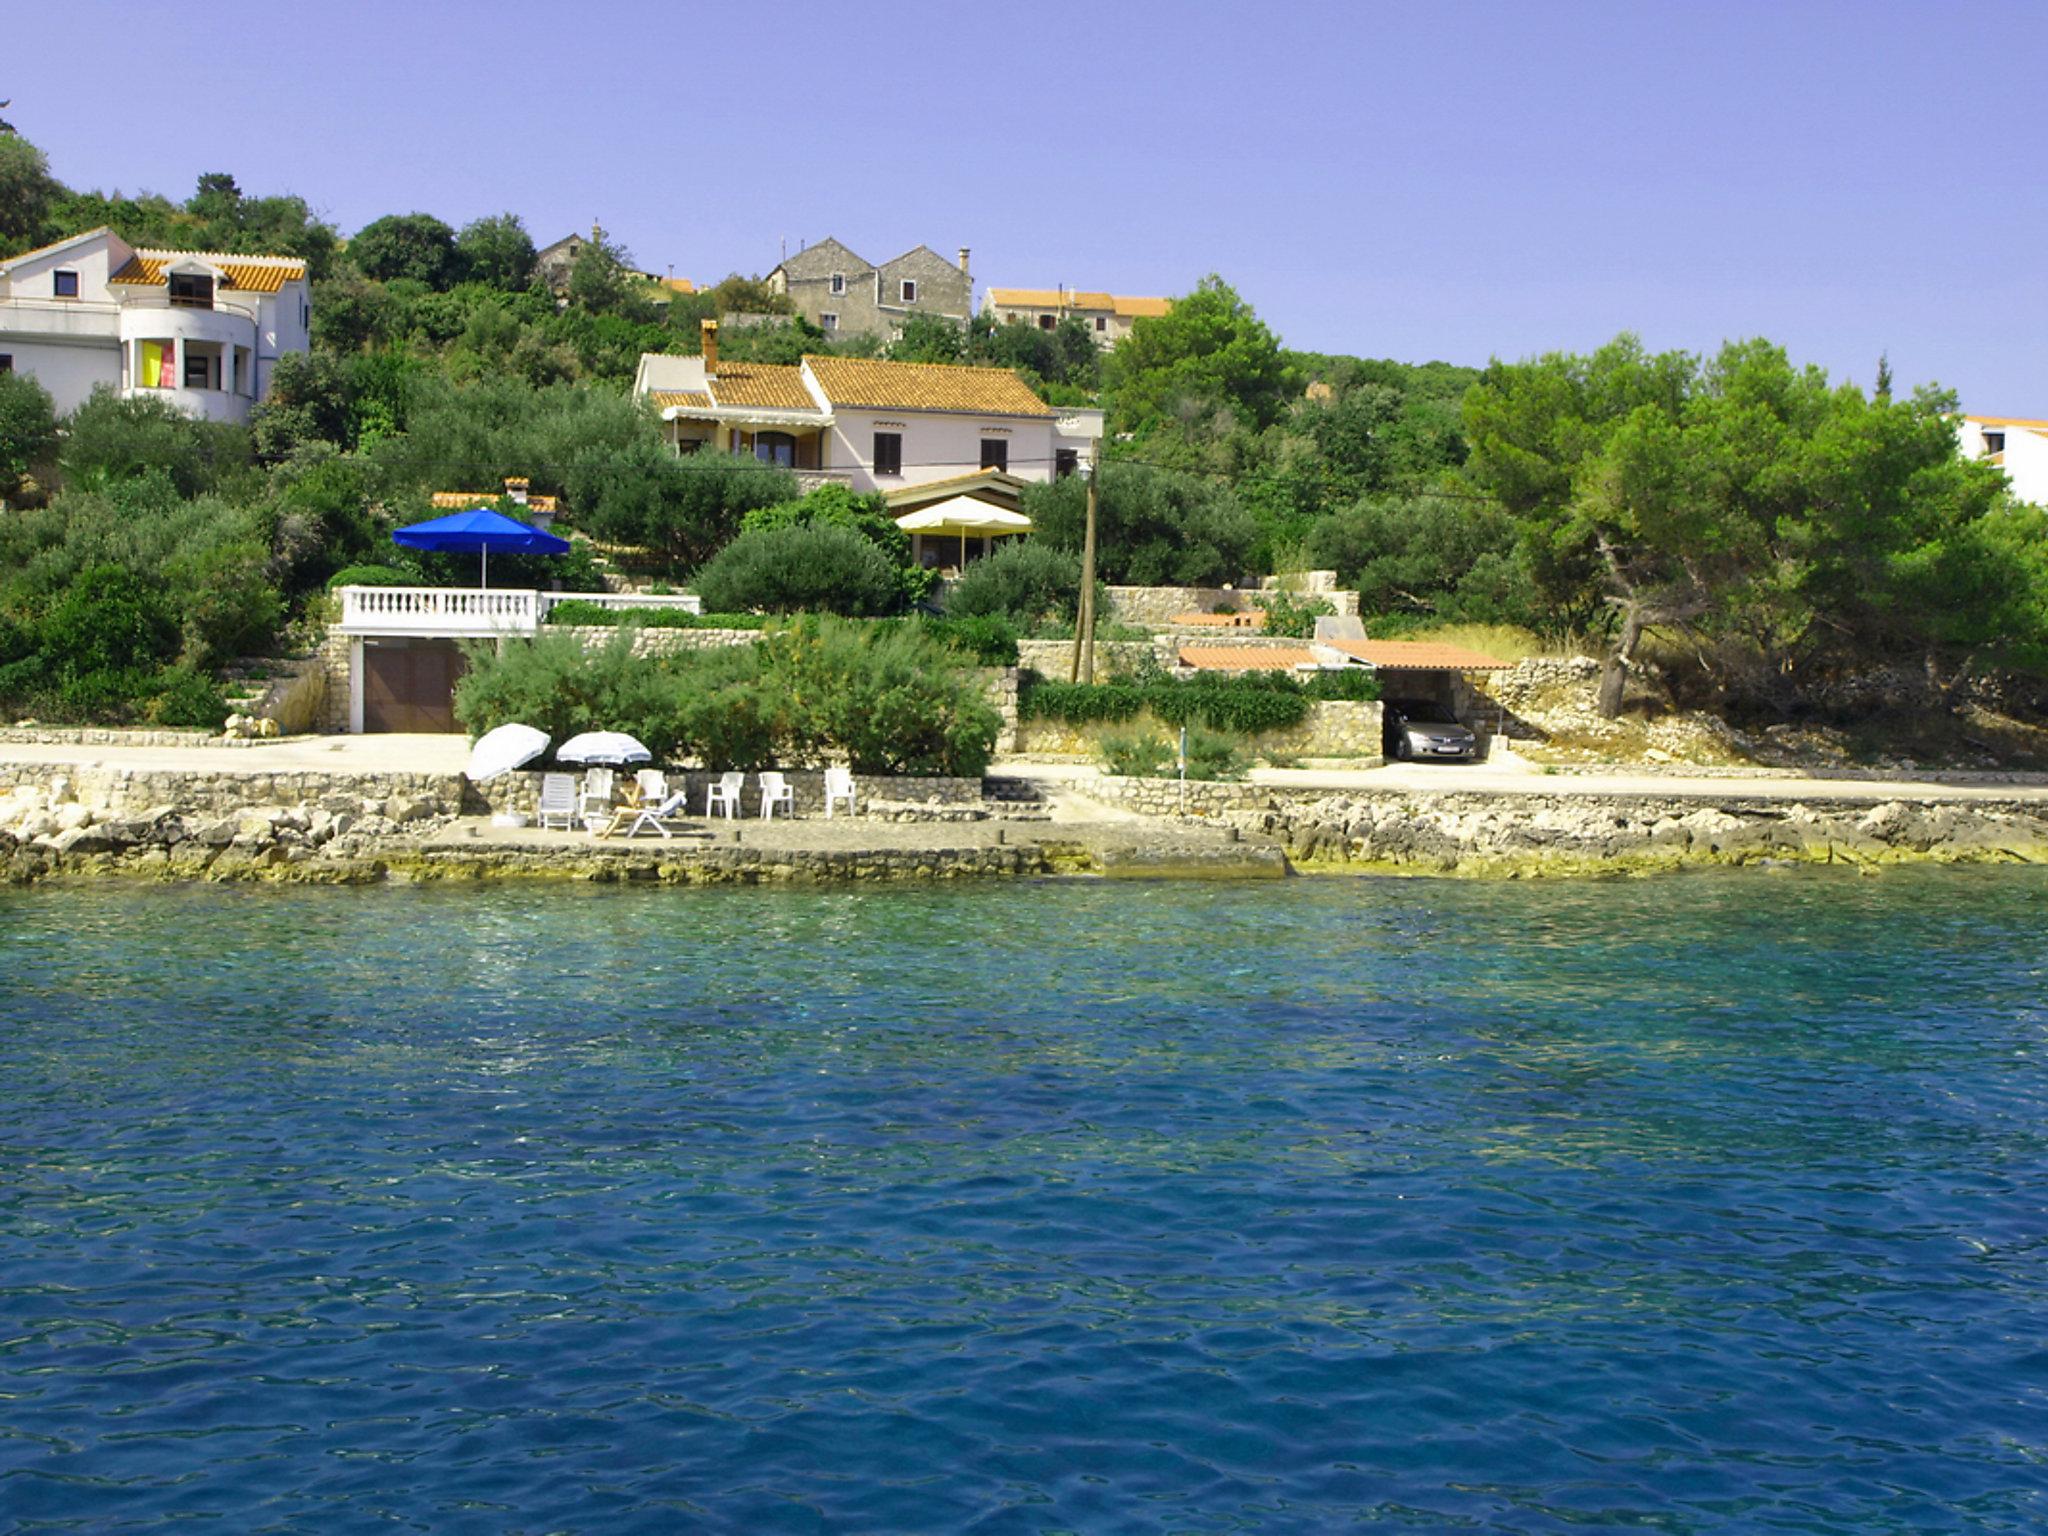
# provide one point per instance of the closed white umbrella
(607, 747)
(500, 751)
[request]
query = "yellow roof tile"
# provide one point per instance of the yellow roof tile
(249, 274)
(773, 386)
(1246, 658)
(862, 381)
(665, 398)
(1084, 299)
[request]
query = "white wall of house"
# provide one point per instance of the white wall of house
(68, 371)
(938, 445)
(2024, 457)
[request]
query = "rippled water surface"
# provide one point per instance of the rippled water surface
(1700, 1204)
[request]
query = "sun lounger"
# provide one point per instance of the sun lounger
(654, 815)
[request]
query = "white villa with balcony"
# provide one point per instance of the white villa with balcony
(864, 423)
(201, 329)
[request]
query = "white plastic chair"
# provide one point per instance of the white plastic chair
(775, 791)
(654, 815)
(597, 795)
(839, 786)
(724, 795)
(652, 785)
(558, 799)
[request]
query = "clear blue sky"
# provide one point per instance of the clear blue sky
(1409, 180)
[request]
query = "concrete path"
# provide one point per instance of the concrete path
(1521, 778)
(293, 754)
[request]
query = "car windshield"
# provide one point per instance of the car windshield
(1426, 714)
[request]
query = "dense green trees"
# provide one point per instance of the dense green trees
(28, 434)
(886, 698)
(1779, 526)
(1155, 528)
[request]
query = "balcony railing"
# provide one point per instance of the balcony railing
(439, 611)
(476, 611)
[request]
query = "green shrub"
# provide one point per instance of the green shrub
(1290, 614)
(890, 697)
(988, 637)
(1023, 580)
(372, 576)
(1155, 527)
(576, 612)
(804, 568)
(1248, 703)
(727, 715)
(1134, 754)
(1213, 754)
(188, 697)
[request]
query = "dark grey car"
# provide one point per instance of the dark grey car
(1421, 730)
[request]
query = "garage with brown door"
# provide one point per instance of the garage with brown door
(409, 684)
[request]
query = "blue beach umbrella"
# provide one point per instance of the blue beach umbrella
(483, 531)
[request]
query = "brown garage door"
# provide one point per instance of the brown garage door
(410, 685)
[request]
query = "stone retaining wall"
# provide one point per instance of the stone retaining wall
(222, 793)
(97, 736)
(1335, 728)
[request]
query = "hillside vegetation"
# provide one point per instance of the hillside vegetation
(1770, 529)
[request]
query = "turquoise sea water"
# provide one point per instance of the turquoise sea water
(1715, 1203)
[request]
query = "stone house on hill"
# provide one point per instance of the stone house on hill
(840, 292)
(1108, 316)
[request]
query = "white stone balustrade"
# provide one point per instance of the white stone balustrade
(439, 611)
(471, 611)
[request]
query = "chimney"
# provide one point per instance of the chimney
(963, 261)
(515, 489)
(710, 332)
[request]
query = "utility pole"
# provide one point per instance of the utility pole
(1083, 668)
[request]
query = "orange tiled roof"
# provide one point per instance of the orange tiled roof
(1070, 298)
(1426, 654)
(1256, 619)
(249, 274)
(462, 500)
(1246, 658)
(664, 398)
(772, 386)
(861, 381)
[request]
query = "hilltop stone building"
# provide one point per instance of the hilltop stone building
(844, 294)
(1108, 316)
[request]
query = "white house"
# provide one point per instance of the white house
(2016, 445)
(202, 329)
(864, 423)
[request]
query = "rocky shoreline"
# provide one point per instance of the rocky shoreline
(1252, 832)
(1565, 835)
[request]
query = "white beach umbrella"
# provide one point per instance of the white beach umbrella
(500, 751)
(608, 747)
